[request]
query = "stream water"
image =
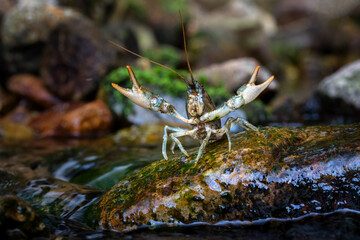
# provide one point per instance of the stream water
(61, 178)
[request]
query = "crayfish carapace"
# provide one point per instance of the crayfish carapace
(201, 111)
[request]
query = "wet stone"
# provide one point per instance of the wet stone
(276, 173)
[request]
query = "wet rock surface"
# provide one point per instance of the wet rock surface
(59, 198)
(276, 173)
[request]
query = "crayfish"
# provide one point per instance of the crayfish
(201, 111)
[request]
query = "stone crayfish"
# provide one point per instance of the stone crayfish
(201, 111)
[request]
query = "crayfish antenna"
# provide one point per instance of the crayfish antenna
(186, 54)
(159, 64)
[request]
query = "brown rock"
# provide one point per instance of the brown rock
(78, 119)
(47, 122)
(75, 57)
(31, 87)
(91, 117)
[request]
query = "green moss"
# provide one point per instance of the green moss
(158, 80)
(165, 54)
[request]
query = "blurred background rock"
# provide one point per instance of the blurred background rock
(56, 62)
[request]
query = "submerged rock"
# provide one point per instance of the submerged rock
(60, 198)
(275, 173)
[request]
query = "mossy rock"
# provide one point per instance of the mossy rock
(275, 173)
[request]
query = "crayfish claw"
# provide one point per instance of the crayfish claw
(251, 91)
(254, 75)
(138, 94)
(136, 85)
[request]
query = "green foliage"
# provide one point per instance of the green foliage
(166, 54)
(174, 6)
(287, 52)
(158, 80)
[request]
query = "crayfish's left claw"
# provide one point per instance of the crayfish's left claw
(144, 97)
(138, 95)
(250, 91)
